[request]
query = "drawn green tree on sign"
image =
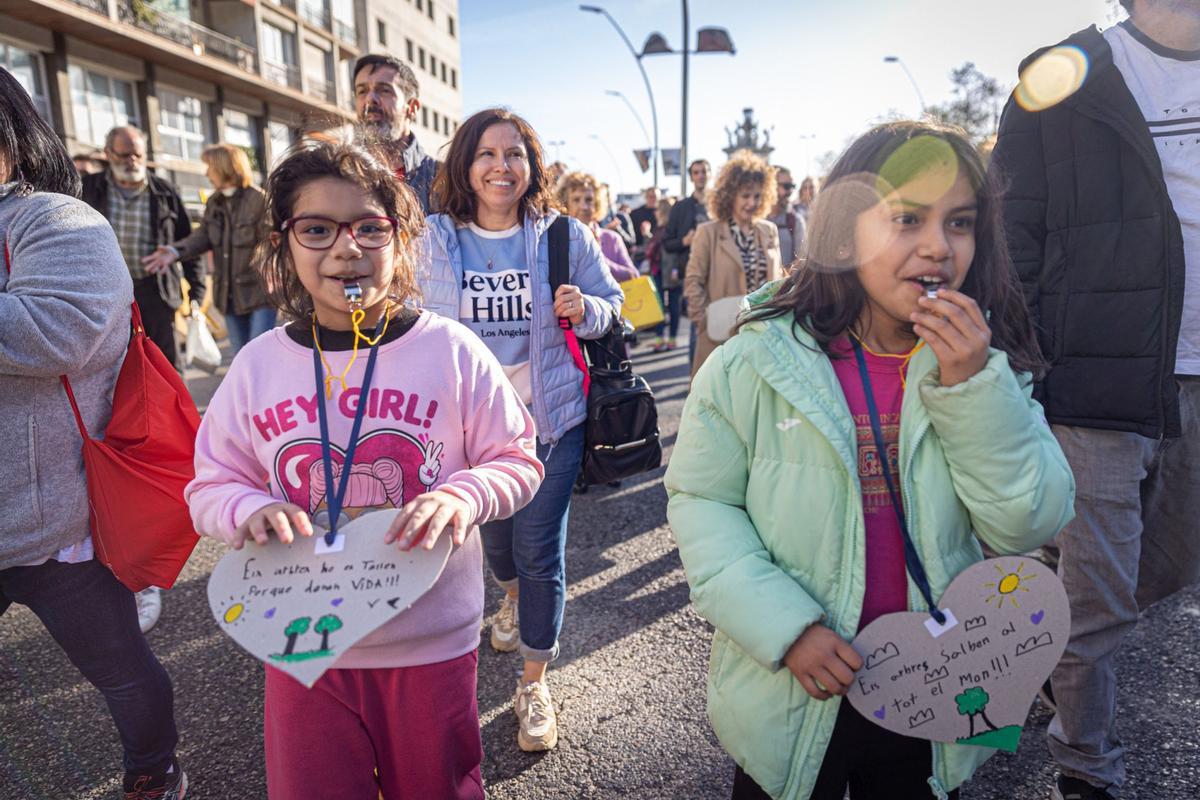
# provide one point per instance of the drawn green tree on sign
(971, 702)
(325, 626)
(294, 630)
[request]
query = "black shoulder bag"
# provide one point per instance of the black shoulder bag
(621, 431)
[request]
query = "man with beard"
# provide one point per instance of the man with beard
(385, 98)
(145, 212)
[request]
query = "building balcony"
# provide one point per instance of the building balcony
(282, 74)
(99, 6)
(345, 31)
(199, 39)
(316, 15)
(322, 90)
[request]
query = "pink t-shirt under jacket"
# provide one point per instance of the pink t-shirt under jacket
(440, 415)
(886, 578)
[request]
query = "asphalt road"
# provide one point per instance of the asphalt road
(629, 684)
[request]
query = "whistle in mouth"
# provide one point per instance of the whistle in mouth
(353, 294)
(931, 292)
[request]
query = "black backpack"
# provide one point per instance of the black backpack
(621, 431)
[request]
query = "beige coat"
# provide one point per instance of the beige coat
(714, 271)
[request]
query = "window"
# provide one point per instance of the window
(408, 47)
(453, 78)
(182, 125)
(421, 56)
(429, 8)
(381, 32)
(26, 67)
(443, 72)
(242, 130)
(424, 116)
(446, 125)
(99, 103)
(420, 7)
(281, 139)
(279, 56)
(436, 123)
(433, 65)
(450, 25)
(278, 45)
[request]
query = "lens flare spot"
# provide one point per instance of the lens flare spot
(234, 613)
(1053, 77)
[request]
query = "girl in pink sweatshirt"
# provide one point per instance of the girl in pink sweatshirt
(441, 435)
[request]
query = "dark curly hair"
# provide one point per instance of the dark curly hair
(332, 156)
(823, 294)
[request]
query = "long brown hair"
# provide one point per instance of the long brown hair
(333, 156)
(452, 186)
(824, 295)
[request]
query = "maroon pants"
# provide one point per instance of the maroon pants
(405, 732)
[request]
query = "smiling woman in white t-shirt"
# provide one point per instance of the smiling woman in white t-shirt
(487, 265)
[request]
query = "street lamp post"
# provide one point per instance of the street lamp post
(641, 124)
(708, 40)
(911, 79)
(556, 144)
(611, 157)
(645, 79)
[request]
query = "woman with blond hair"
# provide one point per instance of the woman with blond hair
(231, 230)
(578, 192)
(733, 254)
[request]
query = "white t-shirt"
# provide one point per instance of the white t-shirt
(1166, 85)
(497, 299)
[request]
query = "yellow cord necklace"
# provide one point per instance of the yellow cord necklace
(356, 318)
(904, 357)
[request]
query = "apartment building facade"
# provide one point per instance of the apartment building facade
(254, 73)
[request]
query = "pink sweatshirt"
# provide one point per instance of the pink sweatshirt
(440, 415)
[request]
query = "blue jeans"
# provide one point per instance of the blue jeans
(244, 327)
(94, 620)
(530, 549)
(1132, 543)
(670, 301)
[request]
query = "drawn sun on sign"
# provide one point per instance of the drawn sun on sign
(1008, 585)
(234, 611)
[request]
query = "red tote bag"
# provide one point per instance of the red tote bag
(141, 528)
(136, 474)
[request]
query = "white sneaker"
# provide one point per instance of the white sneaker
(506, 627)
(149, 607)
(537, 727)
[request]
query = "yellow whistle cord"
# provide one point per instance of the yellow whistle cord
(356, 318)
(904, 357)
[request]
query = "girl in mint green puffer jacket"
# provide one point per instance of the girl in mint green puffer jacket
(788, 545)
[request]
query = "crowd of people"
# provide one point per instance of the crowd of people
(927, 354)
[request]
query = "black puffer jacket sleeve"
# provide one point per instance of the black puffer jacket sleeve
(1020, 160)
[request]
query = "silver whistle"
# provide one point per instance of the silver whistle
(353, 294)
(931, 292)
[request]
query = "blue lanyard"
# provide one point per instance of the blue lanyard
(915, 568)
(334, 499)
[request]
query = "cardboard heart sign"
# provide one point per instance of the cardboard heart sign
(298, 609)
(972, 680)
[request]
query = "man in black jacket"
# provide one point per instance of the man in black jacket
(1103, 221)
(681, 227)
(145, 212)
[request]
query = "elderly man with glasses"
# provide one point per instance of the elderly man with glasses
(145, 212)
